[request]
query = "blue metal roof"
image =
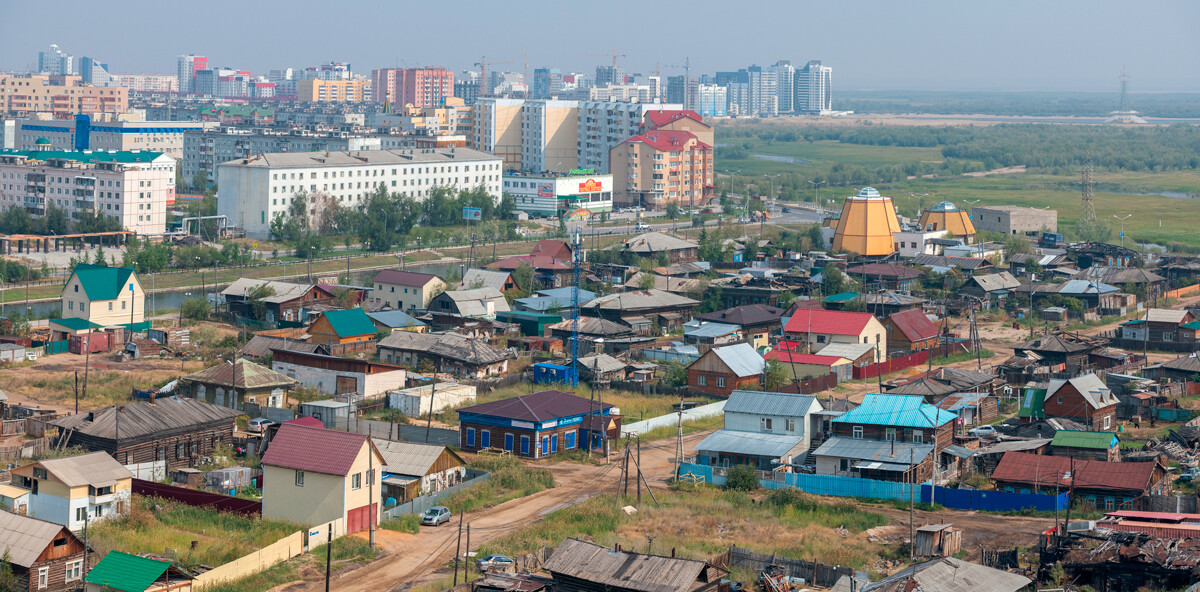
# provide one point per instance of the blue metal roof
(769, 403)
(749, 443)
(1086, 287)
(896, 410)
(395, 318)
(565, 294)
(708, 329)
(741, 359)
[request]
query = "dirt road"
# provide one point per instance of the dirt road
(407, 559)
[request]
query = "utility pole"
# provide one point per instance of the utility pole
(429, 421)
(467, 557)
(458, 549)
(328, 553)
(370, 486)
(1123, 219)
(76, 391)
(912, 481)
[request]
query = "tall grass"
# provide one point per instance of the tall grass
(510, 479)
(348, 549)
(408, 523)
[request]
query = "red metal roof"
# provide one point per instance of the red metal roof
(1042, 470)
(914, 324)
(661, 118)
(314, 449)
(311, 422)
(883, 270)
(554, 248)
(534, 261)
(833, 322)
(1158, 516)
(668, 140)
(403, 278)
(539, 406)
(799, 358)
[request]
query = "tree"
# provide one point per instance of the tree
(676, 374)
(200, 181)
(713, 299)
(646, 280)
(8, 579)
(774, 375)
(672, 211)
(786, 298)
(742, 477)
(835, 281)
(507, 207)
(195, 309)
(523, 275)
(257, 297)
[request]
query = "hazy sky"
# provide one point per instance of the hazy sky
(897, 44)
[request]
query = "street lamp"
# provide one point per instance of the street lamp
(817, 194)
(920, 202)
(1123, 219)
(772, 186)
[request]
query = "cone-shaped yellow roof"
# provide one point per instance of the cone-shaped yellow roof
(866, 225)
(945, 216)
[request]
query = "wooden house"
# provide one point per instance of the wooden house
(1106, 485)
(722, 370)
(411, 470)
(1103, 446)
(1084, 399)
(340, 327)
(579, 566)
(271, 301)
(44, 556)
(910, 330)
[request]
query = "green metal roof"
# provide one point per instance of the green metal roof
(76, 324)
(104, 283)
(123, 156)
(896, 410)
(122, 571)
(1082, 439)
(1032, 401)
(350, 322)
(1194, 325)
(842, 297)
(42, 142)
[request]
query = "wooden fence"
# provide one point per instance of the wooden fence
(1182, 292)
(809, 386)
(341, 349)
(812, 572)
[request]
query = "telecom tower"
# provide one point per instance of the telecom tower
(577, 261)
(1088, 214)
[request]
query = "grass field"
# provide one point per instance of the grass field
(821, 155)
(700, 522)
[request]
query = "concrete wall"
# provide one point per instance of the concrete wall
(415, 401)
(325, 381)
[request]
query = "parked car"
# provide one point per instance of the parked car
(259, 425)
(1191, 474)
(985, 431)
(707, 211)
(490, 561)
(435, 516)
(787, 210)
(642, 226)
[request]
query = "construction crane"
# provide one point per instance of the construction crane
(483, 64)
(614, 56)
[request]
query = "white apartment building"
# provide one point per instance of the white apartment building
(132, 186)
(146, 82)
(556, 195)
(813, 88)
(602, 125)
(254, 190)
(205, 150)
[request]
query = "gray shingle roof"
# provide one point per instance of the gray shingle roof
(284, 291)
(1094, 391)
(947, 574)
(86, 469)
(485, 278)
(409, 458)
(451, 346)
(23, 539)
(146, 420)
(639, 300)
(741, 359)
(770, 403)
(749, 443)
(657, 242)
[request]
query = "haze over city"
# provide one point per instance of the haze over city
(1021, 45)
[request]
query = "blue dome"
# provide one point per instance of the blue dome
(868, 192)
(944, 206)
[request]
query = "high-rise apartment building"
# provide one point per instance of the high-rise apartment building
(331, 91)
(145, 82)
(607, 75)
(56, 61)
(105, 132)
(253, 191)
(764, 100)
(419, 87)
(712, 100)
(738, 94)
(547, 83)
(496, 124)
(785, 77)
(683, 90)
(186, 68)
(813, 88)
(549, 135)
(61, 96)
(330, 71)
(660, 167)
(93, 72)
(133, 187)
(466, 87)
(603, 125)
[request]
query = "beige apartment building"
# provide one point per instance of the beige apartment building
(662, 166)
(60, 95)
(549, 135)
(497, 129)
(331, 91)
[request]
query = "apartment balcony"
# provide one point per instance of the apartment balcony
(102, 499)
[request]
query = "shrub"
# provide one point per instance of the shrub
(742, 477)
(195, 309)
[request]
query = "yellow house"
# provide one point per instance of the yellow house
(406, 290)
(105, 296)
(73, 490)
(315, 476)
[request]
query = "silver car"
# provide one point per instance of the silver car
(435, 516)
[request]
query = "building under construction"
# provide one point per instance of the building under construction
(866, 225)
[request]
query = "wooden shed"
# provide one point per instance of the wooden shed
(143, 348)
(938, 540)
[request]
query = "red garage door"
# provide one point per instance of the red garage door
(359, 519)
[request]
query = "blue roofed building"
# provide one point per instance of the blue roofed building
(706, 335)
(721, 370)
(397, 320)
(762, 429)
(558, 300)
(882, 422)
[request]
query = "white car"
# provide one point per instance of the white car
(985, 431)
(642, 226)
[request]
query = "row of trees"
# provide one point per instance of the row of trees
(18, 220)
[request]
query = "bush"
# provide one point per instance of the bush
(409, 523)
(195, 309)
(742, 477)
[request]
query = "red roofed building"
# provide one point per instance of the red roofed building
(680, 120)
(910, 330)
(554, 248)
(1107, 485)
(798, 366)
(662, 166)
(314, 476)
(548, 271)
(822, 327)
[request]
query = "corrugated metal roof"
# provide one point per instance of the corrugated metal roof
(350, 322)
(770, 403)
(749, 443)
(1093, 390)
(833, 322)
(741, 359)
(1166, 315)
(622, 570)
(884, 451)
(947, 574)
(1086, 287)
(924, 387)
(403, 278)
(125, 572)
(410, 458)
(960, 400)
(539, 406)
(914, 324)
(959, 451)
(657, 242)
(395, 319)
(1018, 445)
(101, 282)
(1042, 470)
(249, 376)
(140, 419)
(485, 278)
(284, 291)
(23, 539)
(850, 351)
(1078, 439)
(896, 410)
(708, 329)
(600, 363)
(639, 300)
(304, 448)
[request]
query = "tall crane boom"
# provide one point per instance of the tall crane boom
(483, 64)
(612, 54)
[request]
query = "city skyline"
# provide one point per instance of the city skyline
(873, 45)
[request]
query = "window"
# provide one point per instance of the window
(508, 442)
(39, 473)
(485, 438)
(702, 380)
(820, 339)
(180, 450)
(80, 514)
(857, 432)
(1109, 504)
(789, 425)
(99, 513)
(110, 306)
(74, 570)
(1107, 422)
(299, 478)
(470, 436)
(569, 438)
(43, 577)
(918, 437)
(890, 435)
(720, 381)
(356, 481)
(525, 445)
(844, 464)
(764, 423)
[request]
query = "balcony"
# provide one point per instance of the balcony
(107, 498)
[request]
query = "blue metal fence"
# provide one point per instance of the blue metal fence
(847, 486)
(994, 501)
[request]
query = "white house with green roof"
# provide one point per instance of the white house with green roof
(102, 296)
(132, 186)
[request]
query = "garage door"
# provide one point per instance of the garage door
(359, 519)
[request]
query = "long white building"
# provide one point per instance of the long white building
(253, 190)
(205, 150)
(132, 186)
